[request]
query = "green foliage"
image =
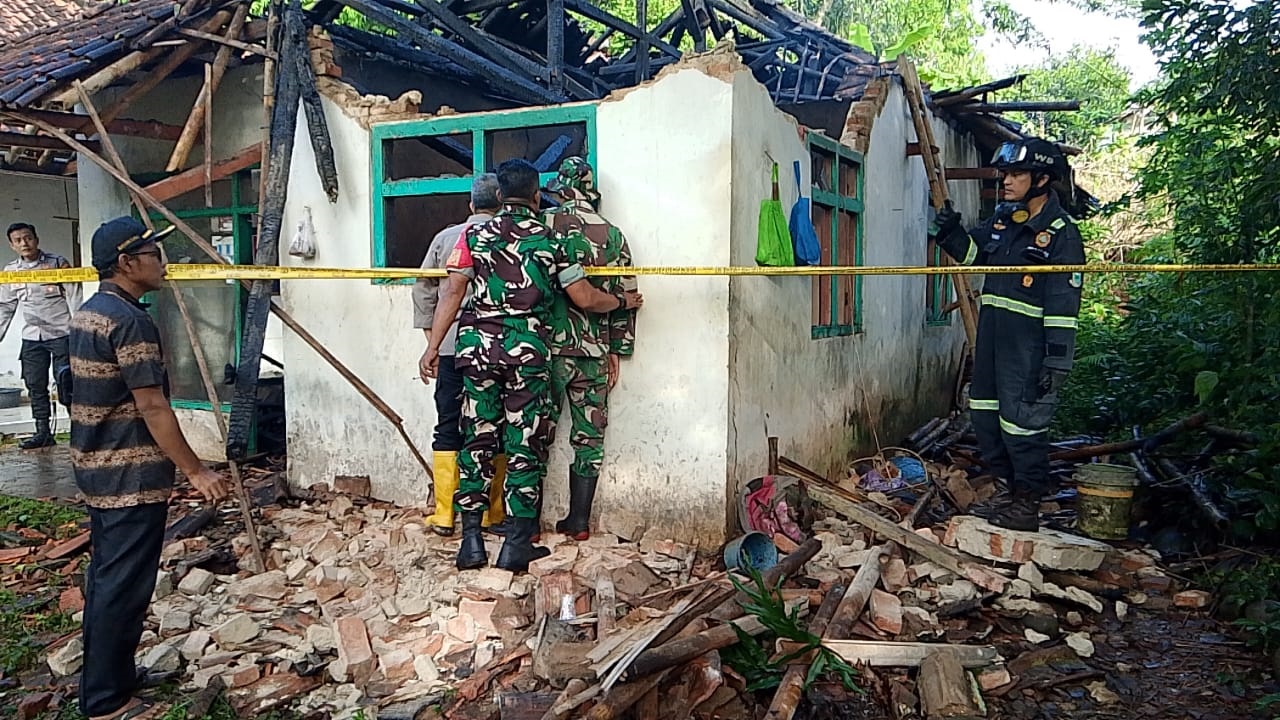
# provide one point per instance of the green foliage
(52, 519)
(1092, 76)
(24, 630)
(750, 659)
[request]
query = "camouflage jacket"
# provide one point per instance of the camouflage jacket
(517, 267)
(576, 333)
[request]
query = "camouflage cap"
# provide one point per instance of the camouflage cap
(575, 179)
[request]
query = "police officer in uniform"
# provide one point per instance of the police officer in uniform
(1027, 325)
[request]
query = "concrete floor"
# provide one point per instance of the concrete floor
(34, 473)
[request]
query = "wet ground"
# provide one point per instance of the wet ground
(42, 473)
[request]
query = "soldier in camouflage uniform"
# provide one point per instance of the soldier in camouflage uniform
(587, 348)
(515, 266)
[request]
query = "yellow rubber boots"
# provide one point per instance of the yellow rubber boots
(444, 465)
(497, 511)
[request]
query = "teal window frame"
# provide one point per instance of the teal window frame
(839, 203)
(940, 291)
(477, 125)
(242, 240)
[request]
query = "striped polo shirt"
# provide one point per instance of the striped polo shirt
(115, 348)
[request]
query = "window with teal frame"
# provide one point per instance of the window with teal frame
(423, 169)
(216, 306)
(837, 191)
(938, 304)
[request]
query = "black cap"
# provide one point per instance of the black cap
(119, 237)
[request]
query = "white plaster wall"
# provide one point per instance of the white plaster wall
(828, 398)
(50, 204)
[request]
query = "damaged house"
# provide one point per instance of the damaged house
(684, 117)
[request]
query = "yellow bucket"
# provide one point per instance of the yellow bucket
(1104, 500)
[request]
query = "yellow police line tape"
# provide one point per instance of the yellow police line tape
(187, 272)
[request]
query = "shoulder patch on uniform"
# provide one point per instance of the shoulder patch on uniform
(1076, 280)
(1043, 239)
(1058, 224)
(1027, 281)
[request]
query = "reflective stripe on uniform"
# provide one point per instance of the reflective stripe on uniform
(1012, 429)
(1060, 321)
(972, 253)
(975, 404)
(1013, 305)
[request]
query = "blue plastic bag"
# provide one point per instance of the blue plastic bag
(803, 237)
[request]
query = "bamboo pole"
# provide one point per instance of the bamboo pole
(791, 689)
(203, 105)
(197, 348)
(111, 73)
(359, 385)
(208, 137)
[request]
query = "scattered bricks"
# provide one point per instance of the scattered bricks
(1072, 594)
(397, 665)
(193, 647)
(635, 579)
(236, 677)
(426, 669)
(1159, 584)
(34, 705)
(961, 491)
(481, 613)
(326, 547)
(174, 622)
(356, 661)
(320, 637)
(1135, 560)
(236, 631)
(67, 659)
(71, 600)
(491, 579)
(162, 658)
(197, 582)
(270, 585)
(164, 585)
(357, 485)
(340, 507)
(1116, 579)
(296, 569)
(1018, 589)
(1030, 573)
(785, 545)
(958, 591)
(652, 542)
(886, 612)
(1192, 599)
(994, 677)
(1047, 548)
(561, 559)
(1081, 643)
(847, 558)
(462, 628)
(203, 677)
(1122, 610)
(328, 582)
(923, 570)
(893, 575)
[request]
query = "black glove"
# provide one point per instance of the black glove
(945, 221)
(1051, 380)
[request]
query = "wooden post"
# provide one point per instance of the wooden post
(202, 107)
(642, 43)
(317, 126)
(773, 457)
(197, 348)
(791, 689)
(185, 228)
(208, 137)
(555, 43)
(937, 183)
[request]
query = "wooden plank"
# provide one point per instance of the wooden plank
(877, 653)
(682, 650)
(791, 688)
(839, 500)
(149, 129)
(229, 42)
(204, 102)
(1038, 106)
(188, 180)
(944, 686)
(981, 173)
(36, 142)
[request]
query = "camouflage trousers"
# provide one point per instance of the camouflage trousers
(505, 408)
(585, 382)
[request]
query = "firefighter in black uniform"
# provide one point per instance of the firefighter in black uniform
(1027, 325)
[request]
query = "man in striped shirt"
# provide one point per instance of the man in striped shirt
(125, 444)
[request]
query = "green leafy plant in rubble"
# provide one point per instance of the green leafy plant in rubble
(750, 658)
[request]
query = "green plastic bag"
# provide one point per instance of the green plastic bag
(773, 244)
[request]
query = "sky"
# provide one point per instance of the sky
(1065, 26)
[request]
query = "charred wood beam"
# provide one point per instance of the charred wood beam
(555, 43)
(148, 129)
(494, 49)
(943, 99)
(692, 27)
(402, 53)
(478, 6)
(317, 126)
(37, 142)
(591, 12)
(642, 45)
(670, 23)
(1038, 106)
(514, 84)
(761, 25)
(284, 121)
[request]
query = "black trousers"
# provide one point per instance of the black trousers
(118, 585)
(448, 396)
(36, 357)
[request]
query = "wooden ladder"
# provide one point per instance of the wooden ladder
(934, 170)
